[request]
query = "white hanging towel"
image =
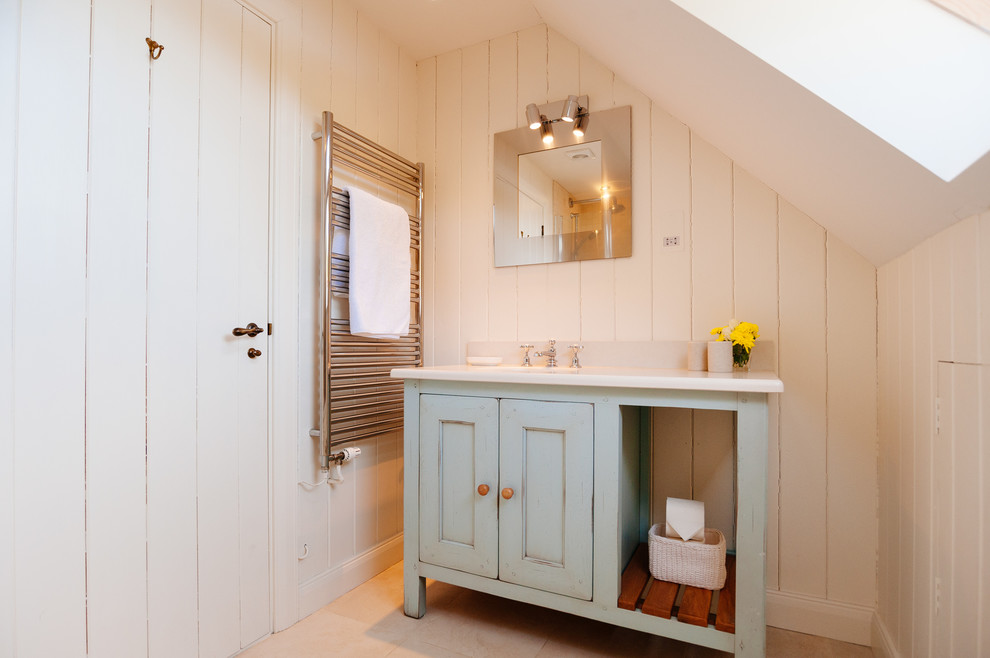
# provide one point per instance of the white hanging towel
(379, 279)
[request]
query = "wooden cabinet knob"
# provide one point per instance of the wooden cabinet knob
(483, 489)
(507, 493)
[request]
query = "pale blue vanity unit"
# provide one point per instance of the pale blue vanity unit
(532, 484)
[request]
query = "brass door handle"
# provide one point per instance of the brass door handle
(507, 493)
(251, 330)
(483, 489)
(253, 353)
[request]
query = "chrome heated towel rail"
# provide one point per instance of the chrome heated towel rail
(358, 399)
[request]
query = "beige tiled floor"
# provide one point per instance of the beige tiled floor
(369, 622)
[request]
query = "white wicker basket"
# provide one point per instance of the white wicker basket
(688, 562)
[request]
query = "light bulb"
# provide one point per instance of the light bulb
(546, 131)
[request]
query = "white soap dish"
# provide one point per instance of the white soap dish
(484, 360)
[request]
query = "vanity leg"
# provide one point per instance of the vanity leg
(414, 592)
(751, 523)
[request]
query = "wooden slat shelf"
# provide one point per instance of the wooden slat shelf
(659, 598)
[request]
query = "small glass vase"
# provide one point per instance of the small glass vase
(740, 358)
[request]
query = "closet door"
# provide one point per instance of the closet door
(233, 371)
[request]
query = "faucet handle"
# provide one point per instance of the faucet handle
(574, 356)
(527, 347)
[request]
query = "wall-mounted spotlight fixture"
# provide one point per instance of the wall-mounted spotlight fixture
(581, 124)
(533, 117)
(574, 110)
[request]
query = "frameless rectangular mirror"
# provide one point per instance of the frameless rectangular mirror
(569, 200)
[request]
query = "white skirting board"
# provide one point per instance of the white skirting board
(805, 614)
(318, 592)
(883, 647)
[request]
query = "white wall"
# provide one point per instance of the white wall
(747, 253)
(98, 396)
(934, 362)
(100, 547)
(351, 530)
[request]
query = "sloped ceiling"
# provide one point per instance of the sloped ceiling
(847, 177)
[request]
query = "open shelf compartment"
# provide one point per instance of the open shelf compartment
(689, 605)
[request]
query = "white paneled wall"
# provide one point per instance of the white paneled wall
(100, 436)
(745, 253)
(934, 369)
(349, 531)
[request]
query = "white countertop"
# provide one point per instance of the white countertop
(611, 377)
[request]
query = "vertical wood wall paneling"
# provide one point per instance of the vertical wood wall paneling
(983, 492)
(889, 467)
(712, 305)
(714, 470)
(503, 114)
(366, 98)
(671, 210)
(406, 107)
(634, 276)
(884, 437)
(426, 148)
(562, 303)
(343, 512)
(598, 283)
(533, 280)
(965, 236)
(116, 582)
(389, 486)
(851, 305)
(171, 433)
(711, 239)
(943, 324)
(475, 220)
(933, 309)
(755, 296)
(365, 474)
(803, 521)
(366, 468)
(672, 468)
(448, 348)
(942, 630)
(344, 53)
(313, 504)
(49, 297)
(963, 580)
(984, 258)
(905, 449)
(924, 428)
(10, 24)
(343, 498)
(218, 452)
(388, 89)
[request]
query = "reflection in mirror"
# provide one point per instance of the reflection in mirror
(567, 201)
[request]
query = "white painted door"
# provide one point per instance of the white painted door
(459, 483)
(232, 400)
(546, 469)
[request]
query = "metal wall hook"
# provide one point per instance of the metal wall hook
(154, 48)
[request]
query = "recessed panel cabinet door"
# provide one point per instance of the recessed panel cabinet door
(545, 497)
(459, 483)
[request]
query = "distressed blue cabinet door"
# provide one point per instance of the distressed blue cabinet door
(545, 537)
(459, 454)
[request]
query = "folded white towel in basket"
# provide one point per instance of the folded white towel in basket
(379, 267)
